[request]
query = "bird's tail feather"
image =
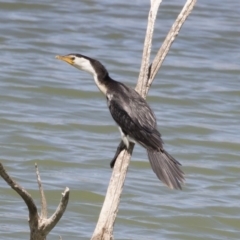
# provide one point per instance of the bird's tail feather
(166, 168)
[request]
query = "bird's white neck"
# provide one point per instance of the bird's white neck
(85, 65)
(100, 84)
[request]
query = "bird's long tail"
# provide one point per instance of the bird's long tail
(166, 168)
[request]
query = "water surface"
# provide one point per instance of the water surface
(53, 114)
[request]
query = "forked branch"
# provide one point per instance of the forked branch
(163, 51)
(104, 228)
(39, 225)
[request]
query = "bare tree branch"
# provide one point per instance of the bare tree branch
(143, 75)
(104, 228)
(163, 51)
(40, 226)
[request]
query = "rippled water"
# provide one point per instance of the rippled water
(54, 115)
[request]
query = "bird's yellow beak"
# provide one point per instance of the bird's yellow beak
(67, 59)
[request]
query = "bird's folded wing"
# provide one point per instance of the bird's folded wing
(133, 122)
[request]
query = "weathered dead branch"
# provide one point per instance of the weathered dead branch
(104, 228)
(39, 225)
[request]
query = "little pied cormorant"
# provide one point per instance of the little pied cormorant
(134, 117)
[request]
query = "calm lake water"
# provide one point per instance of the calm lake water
(53, 114)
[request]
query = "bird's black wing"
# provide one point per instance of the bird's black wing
(138, 108)
(132, 113)
(136, 119)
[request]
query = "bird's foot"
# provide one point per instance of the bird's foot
(121, 147)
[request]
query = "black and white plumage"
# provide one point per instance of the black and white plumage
(134, 117)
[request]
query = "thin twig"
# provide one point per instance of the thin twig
(44, 212)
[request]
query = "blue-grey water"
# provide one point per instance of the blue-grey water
(53, 114)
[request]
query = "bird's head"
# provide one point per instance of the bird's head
(90, 65)
(79, 61)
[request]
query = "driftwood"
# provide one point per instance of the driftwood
(40, 225)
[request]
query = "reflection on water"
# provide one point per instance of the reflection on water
(54, 115)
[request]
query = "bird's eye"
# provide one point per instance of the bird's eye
(73, 58)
